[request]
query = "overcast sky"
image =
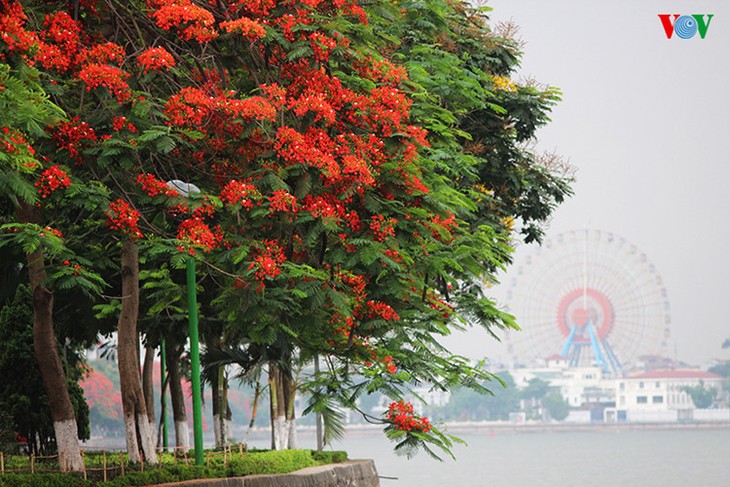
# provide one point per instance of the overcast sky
(646, 122)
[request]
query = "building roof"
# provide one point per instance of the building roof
(675, 374)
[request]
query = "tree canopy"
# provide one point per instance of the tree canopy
(360, 172)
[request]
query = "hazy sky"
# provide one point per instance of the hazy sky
(646, 122)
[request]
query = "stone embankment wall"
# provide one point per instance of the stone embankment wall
(355, 473)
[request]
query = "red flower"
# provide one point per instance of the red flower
(250, 29)
(282, 201)
(196, 232)
(107, 53)
(401, 414)
(73, 136)
(240, 193)
(52, 179)
(156, 58)
(267, 260)
(121, 216)
(154, 187)
(191, 20)
(107, 76)
(377, 309)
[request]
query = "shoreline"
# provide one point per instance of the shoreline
(487, 427)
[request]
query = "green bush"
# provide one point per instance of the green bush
(327, 457)
(217, 466)
(43, 480)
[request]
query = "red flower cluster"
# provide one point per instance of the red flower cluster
(250, 29)
(308, 149)
(52, 179)
(378, 309)
(447, 225)
(60, 42)
(267, 260)
(282, 201)
(121, 216)
(390, 364)
(401, 414)
(323, 206)
(53, 231)
(14, 142)
(154, 187)
(73, 136)
(76, 267)
(121, 123)
(12, 30)
(107, 53)
(193, 107)
(97, 75)
(237, 192)
(322, 45)
(156, 58)
(191, 20)
(382, 227)
(196, 232)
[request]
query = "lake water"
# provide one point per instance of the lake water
(646, 458)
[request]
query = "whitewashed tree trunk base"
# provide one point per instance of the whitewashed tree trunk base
(130, 431)
(182, 435)
(69, 449)
(147, 435)
(291, 426)
(281, 434)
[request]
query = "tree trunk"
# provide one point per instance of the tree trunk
(282, 395)
(221, 422)
(289, 397)
(148, 387)
(48, 358)
(177, 398)
(254, 409)
(139, 434)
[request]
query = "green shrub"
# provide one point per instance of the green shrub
(327, 457)
(217, 466)
(43, 480)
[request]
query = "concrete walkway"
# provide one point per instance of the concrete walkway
(354, 473)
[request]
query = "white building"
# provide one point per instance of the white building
(578, 385)
(659, 396)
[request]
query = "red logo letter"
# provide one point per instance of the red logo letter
(668, 23)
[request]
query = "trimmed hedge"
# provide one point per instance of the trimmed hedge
(251, 463)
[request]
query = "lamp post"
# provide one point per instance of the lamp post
(163, 401)
(186, 189)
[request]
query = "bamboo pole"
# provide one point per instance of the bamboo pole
(104, 465)
(121, 462)
(2, 462)
(32, 464)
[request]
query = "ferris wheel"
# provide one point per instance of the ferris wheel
(591, 297)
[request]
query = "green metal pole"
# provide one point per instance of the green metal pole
(195, 362)
(163, 374)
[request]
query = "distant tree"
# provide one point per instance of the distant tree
(723, 369)
(536, 389)
(556, 406)
(468, 405)
(701, 396)
(22, 395)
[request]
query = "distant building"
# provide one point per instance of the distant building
(659, 396)
(580, 386)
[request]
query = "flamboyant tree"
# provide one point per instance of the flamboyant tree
(348, 207)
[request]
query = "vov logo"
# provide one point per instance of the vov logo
(685, 26)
